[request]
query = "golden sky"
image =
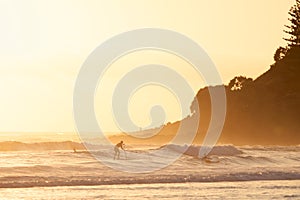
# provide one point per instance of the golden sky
(44, 43)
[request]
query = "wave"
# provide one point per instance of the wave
(226, 150)
(77, 146)
(45, 146)
(223, 150)
(65, 168)
(40, 146)
(295, 148)
(42, 181)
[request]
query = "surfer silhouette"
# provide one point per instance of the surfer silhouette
(117, 151)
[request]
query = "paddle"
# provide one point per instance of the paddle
(125, 153)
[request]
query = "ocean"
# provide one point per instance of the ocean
(244, 172)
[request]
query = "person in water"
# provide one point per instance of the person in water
(117, 149)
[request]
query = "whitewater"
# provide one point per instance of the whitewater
(244, 172)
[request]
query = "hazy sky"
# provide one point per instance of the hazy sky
(44, 43)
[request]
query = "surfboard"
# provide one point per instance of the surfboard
(211, 159)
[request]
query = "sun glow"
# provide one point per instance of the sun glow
(44, 43)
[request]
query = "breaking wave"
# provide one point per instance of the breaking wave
(40, 146)
(226, 150)
(46, 181)
(67, 168)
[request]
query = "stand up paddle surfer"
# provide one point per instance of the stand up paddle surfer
(117, 151)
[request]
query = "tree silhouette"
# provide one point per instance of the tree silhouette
(280, 53)
(294, 28)
(238, 82)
